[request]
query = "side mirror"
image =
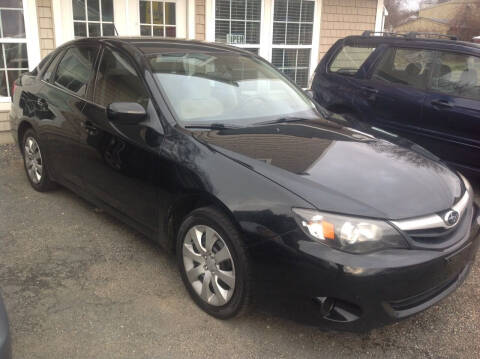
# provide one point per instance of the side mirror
(309, 93)
(126, 112)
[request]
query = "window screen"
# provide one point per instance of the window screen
(117, 81)
(410, 67)
(292, 38)
(75, 69)
(349, 59)
(237, 22)
(457, 75)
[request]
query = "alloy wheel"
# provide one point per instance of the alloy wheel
(33, 160)
(209, 265)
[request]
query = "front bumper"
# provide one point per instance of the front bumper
(363, 291)
(5, 347)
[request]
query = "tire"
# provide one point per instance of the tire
(35, 163)
(217, 298)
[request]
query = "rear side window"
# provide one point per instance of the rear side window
(410, 67)
(349, 59)
(75, 69)
(117, 81)
(457, 75)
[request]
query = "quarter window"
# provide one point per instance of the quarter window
(51, 67)
(349, 59)
(237, 22)
(13, 45)
(75, 69)
(292, 38)
(410, 67)
(93, 18)
(117, 81)
(157, 18)
(457, 75)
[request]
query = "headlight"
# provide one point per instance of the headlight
(350, 234)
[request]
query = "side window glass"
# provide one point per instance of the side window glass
(75, 69)
(457, 75)
(410, 67)
(349, 60)
(51, 67)
(117, 81)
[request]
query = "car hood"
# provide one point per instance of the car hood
(340, 169)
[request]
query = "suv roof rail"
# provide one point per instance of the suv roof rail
(369, 33)
(410, 35)
(429, 35)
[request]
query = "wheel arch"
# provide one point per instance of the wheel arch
(23, 126)
(182, 207)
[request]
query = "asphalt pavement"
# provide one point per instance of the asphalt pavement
(77, 283)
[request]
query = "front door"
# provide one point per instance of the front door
(451, 116)
(121, 167)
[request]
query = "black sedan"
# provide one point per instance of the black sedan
(261, 193)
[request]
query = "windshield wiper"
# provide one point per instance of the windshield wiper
(213, 126)
(283, 120)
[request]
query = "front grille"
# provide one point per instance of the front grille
(439, 238)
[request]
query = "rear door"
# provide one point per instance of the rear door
(336, 82)
(63, 99)
(395, 90)
(451, 117)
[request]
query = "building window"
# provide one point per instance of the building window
(157, 18)
(93, 18)
(292, 38)
(237, 22)
(13, 56)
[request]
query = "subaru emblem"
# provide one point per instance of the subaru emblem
(451, 217)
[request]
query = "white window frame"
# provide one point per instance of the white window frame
(313, 59)
(266, 32)
(152, 25)
(212, 23)
(126, 16)
(100, 21)
(31, 39)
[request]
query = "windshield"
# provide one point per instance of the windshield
(228, 88)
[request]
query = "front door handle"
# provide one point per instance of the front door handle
(441, 104)
(90, 127)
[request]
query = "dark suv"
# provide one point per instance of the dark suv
(422, 88)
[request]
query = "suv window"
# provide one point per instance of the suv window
(410, 67)
(349, 59)
(75, 69)
(457, 75)
(117, 81)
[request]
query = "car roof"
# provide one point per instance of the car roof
(155, 45)
(427, 43)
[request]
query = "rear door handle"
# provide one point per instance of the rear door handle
(370, 90)
(90, 127)
(441, 104)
